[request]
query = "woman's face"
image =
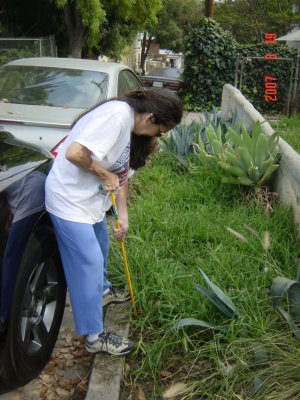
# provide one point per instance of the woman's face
(144, 125)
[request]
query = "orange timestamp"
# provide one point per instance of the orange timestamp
(270, 82)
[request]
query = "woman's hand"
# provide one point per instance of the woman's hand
(110, 182)
(120, 233)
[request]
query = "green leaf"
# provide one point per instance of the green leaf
(215, 300)
(255, 133)
(244, 180)
(280, 287)
(221, 296)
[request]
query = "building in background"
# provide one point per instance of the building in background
(157, 57)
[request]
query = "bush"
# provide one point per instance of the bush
(209, 64)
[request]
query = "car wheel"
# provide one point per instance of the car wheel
(36, 312)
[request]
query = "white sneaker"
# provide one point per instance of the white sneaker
(115, 295)
(109, 343)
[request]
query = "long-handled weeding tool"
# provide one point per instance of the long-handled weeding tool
(116, 217)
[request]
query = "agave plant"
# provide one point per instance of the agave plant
(212, 132)
(250, 159)
(195, 139)
(179, 143)
(213, 147)
(246, 158)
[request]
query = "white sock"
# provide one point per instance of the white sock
(106, 291)
(92, 337)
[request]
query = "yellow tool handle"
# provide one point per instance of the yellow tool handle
(115, 212)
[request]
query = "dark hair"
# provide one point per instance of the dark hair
(140, 149)
(166, 108)
(164, 104)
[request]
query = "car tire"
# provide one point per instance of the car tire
(36, 312)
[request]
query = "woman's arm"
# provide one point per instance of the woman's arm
(80, 156)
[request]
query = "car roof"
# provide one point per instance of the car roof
(73, 63)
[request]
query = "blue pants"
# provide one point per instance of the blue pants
(84, 250)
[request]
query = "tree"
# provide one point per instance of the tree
(123, 23)
(249, 20)
(175, 20)
(87, 26)
(83, 20)
(106, 25)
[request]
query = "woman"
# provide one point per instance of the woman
(93, 162)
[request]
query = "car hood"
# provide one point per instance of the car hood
(38, 115)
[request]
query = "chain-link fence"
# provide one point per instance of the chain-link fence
(14, 48)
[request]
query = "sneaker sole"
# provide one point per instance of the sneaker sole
(124, 353)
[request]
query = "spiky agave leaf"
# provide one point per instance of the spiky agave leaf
(218, 297)
(180, 140)
(281, 287)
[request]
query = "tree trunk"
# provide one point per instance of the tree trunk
(144, 52)
(75, 30)
(209, 5)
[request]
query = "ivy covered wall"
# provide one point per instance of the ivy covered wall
(210, 62)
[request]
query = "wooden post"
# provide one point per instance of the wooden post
(209, 5)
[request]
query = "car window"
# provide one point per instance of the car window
(56, 87)
(127, 81)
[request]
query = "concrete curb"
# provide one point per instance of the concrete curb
(107, 371)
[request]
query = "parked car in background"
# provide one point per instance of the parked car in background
(165, 77)
(40, 97)
(34, 290)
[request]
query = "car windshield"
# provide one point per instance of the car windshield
(55, 87)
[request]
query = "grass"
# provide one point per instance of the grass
(289, 130)
(178, 223)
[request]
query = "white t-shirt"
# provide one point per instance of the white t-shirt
(75, 194)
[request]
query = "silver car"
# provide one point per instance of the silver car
(40, 97)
